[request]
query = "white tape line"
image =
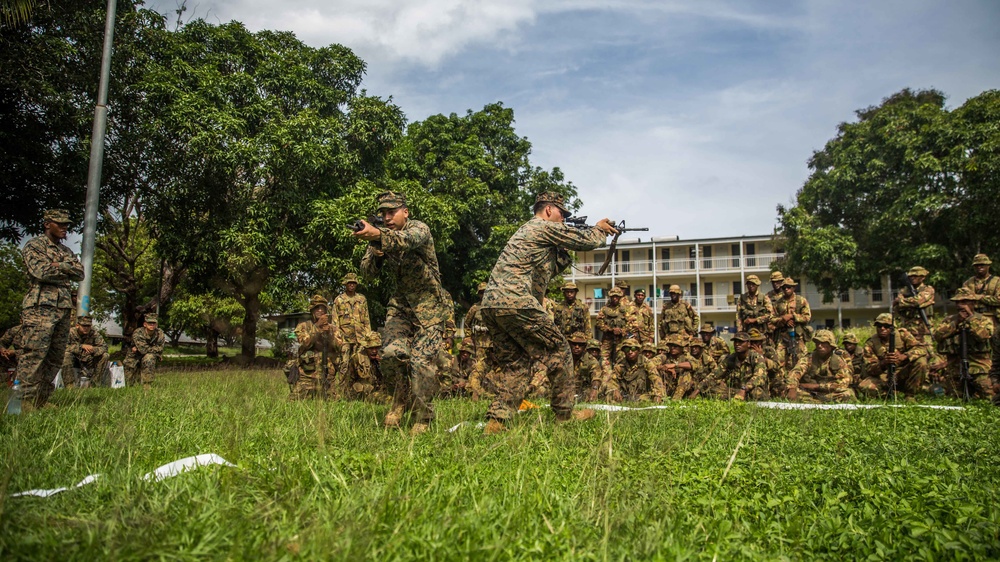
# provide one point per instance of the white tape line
(798, 406)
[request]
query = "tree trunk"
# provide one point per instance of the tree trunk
(212, 343)
(251, 305)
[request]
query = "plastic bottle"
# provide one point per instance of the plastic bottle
(14, 401)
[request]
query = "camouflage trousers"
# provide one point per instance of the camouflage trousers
(521, 339)
(980, 384)
(721, 391)
(790, 352)
(139, 369)
(821, 397)
(347, 370)
(909, 380)
(687, 383)
(606, 350)
(97, 369)
(44, 335)
(409, 362)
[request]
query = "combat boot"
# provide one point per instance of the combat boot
(394, 416)
(418, 429)
(583, 414)
(493, 427)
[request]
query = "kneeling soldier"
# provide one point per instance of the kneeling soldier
(146, 351)
(821, 376)
(86, 351)
(740, 375)
(909, 359)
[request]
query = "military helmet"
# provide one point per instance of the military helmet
(789, 282)
(884, 319)
(577, 337)
(58, 216)
(776, 277)
(569, 286)
(372, 339)
(630, 342)
(317, 301)
(917, 271)
(753, 279)
(349, 278)
(755, 335)
(391, 200)
(616, 292)
(675, 289)
(981, 259)
(593, 344)
(850, 337)
(553, 198)
(965, 294)
(741, 336)
(825, 336)
(707, 327)
(85, 321)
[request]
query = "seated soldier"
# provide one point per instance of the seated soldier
(368, 383)
(909, 361)
(455, 379)
(317, 338)
(85, 352)
(821, 376)
(702, 366)
(741, 375)
(648, 350)
(588, 378)
(675, 364)
(630, 380)
(978, 332)
(714, 345)
(146, 350)
(772, 365)
(9, 345)
(849, 343)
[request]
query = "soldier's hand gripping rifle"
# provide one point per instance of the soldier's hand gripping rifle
(892, 351)
(620, 227)
(963, 369)
(913, 293)
(377, 222)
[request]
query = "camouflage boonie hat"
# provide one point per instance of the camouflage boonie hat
(577, 337)
(707, 327)
(755, 335)
(825, 336)
(663, 346)
(317, 301)
(965, 294)
(553, 198)
(981, 259)
(593, 344)
(885, 319)
(676, 339)
(467, 346)
(648, 347)
(675, 289)
(449, 328)
(789, 282)
(697, 342)
(59, 216)
(481, 287)
(753, 279)
(630, 342)
(150, 319)
(372, 339)
(622, 284)
(85, 321)
(349, 278)
(616, 292)
(741, 336)
(917, 271)
(391, 200)
(776, 276)
(849, 338)
(569, 286)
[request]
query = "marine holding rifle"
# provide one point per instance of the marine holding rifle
(319, 342)
(964, 340)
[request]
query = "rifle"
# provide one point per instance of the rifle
(377, 222)
(620, 227)
(892, 349)
(324, 372)
(577, 222)
(964, 375)
(913, 292)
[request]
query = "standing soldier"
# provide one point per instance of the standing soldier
(613, 323)
(47, 308)
(772, 297)
(714, 345)
(572, 315)
(350, 313)
(790, 324)
(317, 337)
(474, 328)
(415, 321)
(740, 375)
(86, 349)
(977, 330)
(908, 305)
(677, 316)
(753, 310)
(822, 376)
(147, 349)
(909, 359)
(986, 287)
(643, 325)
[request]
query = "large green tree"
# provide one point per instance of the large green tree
(909, 182)
(13, 285)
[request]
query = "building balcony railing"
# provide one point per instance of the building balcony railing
(715, 303)
(685, 266)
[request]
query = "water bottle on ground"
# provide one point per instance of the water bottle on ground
(14, 400)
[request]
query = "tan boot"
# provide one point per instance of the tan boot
(146, 386)
(583, 415)
(493, 427)
(394, 416)
(418, 429)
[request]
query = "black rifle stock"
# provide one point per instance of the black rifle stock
(964, 375)
(913, 292)
(620, 227)
(892, 366)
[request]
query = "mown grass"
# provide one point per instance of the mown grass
(322, 480)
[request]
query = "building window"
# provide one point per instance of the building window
(847, 323)
(845, 296)
(706, 253)
(694, 289)
(829, 323)
(737, 290)
(751, 252)
(735, 251)
(665, 256)
(623, 266)
(709, 296)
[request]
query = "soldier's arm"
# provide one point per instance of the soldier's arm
(872, 363)
(73, 345)
(841, 379)
(798, 371)
(100, 346)
(914, 348)
(657, 390)
(38, 265)
(981, 328)
(803, 314)
(945, 329)
(602, 323)
(366, 321)
(561, 235)
(692, 319)
(768, 312)
(371, 263)
(991, 295)
(587, 329)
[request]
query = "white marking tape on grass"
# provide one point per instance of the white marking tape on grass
(797, 406)
(166, 471)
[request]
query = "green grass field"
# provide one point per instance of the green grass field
(322, 480)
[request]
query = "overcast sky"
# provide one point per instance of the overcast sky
(694, 118)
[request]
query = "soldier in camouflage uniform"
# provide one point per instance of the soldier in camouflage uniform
(474, 328)
(314, 336)
(772, 366)
(588, 377)
(455, 380)
(627, 303)
(714, 345)
(790, 325)
(772, 296)
(47, 308)
(979, 330)
(648, 350)
(849, 343)
(632, 380)
(987, 288)
(675, 366)
(572, 315)
(753, 310)
(522, 332)
(907, 306)
(594, 350)
(144, 353)
(368, 382)
(613, 324)
(10, 345)
(822, 376)
(86, 350)
(350, 314)
(403, 250)
(677, 316)
(689, 383)
(909, 359)
(643, 324)
(740, 375)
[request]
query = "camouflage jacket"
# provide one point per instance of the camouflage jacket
(758, 307)
(875, 350)
(573, 318)
(643, 324)
(833, 374)
(948, 336)
(717, 348)
(800, 311)
(771, 363)
(704, 366)
(857, 363)
(635, 381)
(368, 370)
(411, 265)
(311, 341)
(745, 374)
(907, 308)
(51, 269)
(351, 316)
(989, 289)
(678, 318)
(11, 338)
(533, 255)
(146, 344)
(611, 317)
(587, 374)
(77, 340)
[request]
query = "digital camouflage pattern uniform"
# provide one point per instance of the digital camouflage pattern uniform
(753, 311)
(734, 374)
(94, 361)
(791, 342)
(312, 341)
(46, 312)
(140, 365)
(473, 327)
(416, 313)
(610, 318)
(522, 332)
(634, 381)
(987, 291)
(677, 318)
(832, 374)
(350, 314)
(11, 343)
(910, 375)
(979, 331)
(572, 318)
